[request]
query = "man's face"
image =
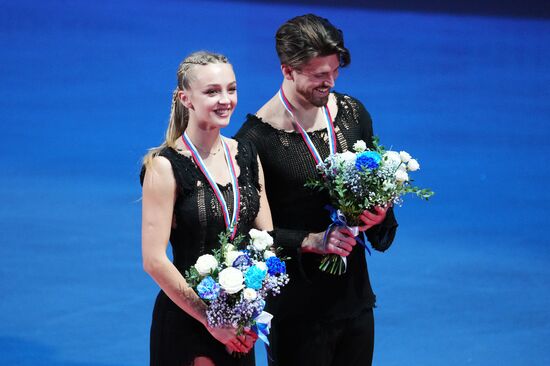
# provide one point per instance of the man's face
(314, 79)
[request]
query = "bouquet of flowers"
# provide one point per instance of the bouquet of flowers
(358, 181)
(235, 280)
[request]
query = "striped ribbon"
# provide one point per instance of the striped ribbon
(230, 220)
(305, 136)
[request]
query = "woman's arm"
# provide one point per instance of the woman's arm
(159, 195)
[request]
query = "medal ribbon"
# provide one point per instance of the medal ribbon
(230, 221)
(307, 140)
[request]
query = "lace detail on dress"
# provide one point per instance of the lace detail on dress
(201, 209)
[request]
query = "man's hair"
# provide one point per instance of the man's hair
(307, 36)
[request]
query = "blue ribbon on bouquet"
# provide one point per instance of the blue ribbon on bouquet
(262, 326)
(339, 220)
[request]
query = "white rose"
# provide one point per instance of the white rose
(405, 156)
(260, 239)
(268, 254)
(401, 176)
(360, 146)
(262, 266)
(229, 248)
(392, 158)
(347, 157)
(231, 280)
(413, 165)
(249, 294)
(206, 264)
(231, 256)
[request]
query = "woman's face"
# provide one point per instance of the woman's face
(212, 95)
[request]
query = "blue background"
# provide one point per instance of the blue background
(86, 88)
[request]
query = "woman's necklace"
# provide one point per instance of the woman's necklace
(210, 153)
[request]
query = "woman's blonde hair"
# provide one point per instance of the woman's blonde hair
(179, 114)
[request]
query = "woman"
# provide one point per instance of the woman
(181, 205)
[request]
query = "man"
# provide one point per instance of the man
(320, 319)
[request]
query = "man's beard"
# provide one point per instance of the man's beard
(319, 102)
(316, 101)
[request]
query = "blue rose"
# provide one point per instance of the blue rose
(367, 160)
(243, 260)
(254, 277)
(275, 266)
(208, 289)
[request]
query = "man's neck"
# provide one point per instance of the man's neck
(305, 113)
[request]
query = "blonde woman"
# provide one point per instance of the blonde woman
(188, 199)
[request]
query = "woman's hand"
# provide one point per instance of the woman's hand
(339, 241)
(249, 337)
(234, 343)
(371, 219)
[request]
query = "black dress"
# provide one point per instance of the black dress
(312, 294)
(176, 337)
